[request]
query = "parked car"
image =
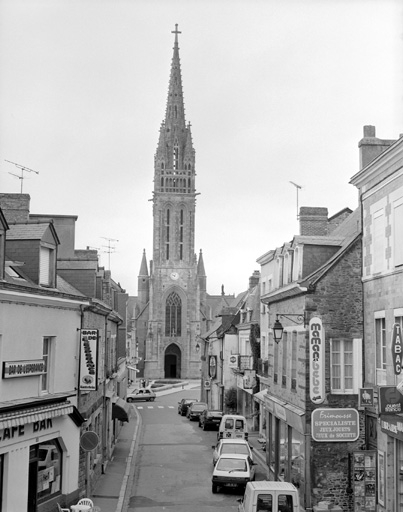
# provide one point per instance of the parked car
(141, 394)
(237, 446)
(210, 419)
(233, 470)
(184, 404)
(195, 409)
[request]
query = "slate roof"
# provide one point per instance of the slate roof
(30, 231)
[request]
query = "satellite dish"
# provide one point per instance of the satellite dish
(89, 441)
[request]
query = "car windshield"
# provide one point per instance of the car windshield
(231, 464)
(234, 448)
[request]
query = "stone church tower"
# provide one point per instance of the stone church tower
(172, 295)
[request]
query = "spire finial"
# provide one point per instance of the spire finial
(176, 32)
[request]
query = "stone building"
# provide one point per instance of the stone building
(312, 287)
(380, 185)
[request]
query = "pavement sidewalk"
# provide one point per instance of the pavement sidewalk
(109, 493)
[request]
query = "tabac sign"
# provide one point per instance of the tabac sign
(316, 361)
(396, 347)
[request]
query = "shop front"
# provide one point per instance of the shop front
(39, 454)
(288, 446)
(390, 463)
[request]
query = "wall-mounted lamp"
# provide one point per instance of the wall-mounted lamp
(197, 347)
(278, 329)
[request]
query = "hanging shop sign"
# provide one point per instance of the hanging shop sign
(212, 366)
(30, 368)
(249, 379)
(335, 425)
(390, 400)
(365, 397)
(364, 480)
(316, 361)
(88, 359)
(396, 347)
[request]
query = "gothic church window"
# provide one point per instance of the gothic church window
(173, 315)
(181, 236)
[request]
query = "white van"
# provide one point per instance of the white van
(232, 426)
(265, 496)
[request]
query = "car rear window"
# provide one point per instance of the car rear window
(198, 408)
(231, 464)
(235, 448)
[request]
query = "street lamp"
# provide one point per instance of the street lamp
(278, 328)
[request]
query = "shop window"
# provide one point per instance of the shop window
(49, 467)
(283, 451)
(1, 481)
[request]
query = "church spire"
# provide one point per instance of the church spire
(143, 267)
(175, 111)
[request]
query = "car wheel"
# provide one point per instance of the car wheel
(152, 399)
(130, 400)
(214, 488)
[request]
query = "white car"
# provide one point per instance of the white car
(233, 470)
(141, 394)
(224, 446)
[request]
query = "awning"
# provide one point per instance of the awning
(120, 410)
(259, 397)
(33, 414)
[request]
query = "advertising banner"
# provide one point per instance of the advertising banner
(316, 361)
(364, 471)
(88, 360)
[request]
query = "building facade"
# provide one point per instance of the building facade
(380, 186)
(310, 379)
(169, 310)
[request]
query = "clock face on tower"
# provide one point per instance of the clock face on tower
(174, 275)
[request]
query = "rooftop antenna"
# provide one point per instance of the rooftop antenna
(23, 169)
(297, 187)
(109, 249)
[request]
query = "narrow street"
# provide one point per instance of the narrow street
(173, 462)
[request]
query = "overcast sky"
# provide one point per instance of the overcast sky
(275, 90)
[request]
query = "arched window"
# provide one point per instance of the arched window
(181, 236)
(173, 315)
(176, 156)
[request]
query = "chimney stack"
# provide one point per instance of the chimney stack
(370, 147)
(313, 221)
(254, 279)
(15, 207)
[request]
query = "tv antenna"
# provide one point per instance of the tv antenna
(297, 187)
(23, 169)
(109, 249)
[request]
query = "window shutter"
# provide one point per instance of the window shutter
(44, 266)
